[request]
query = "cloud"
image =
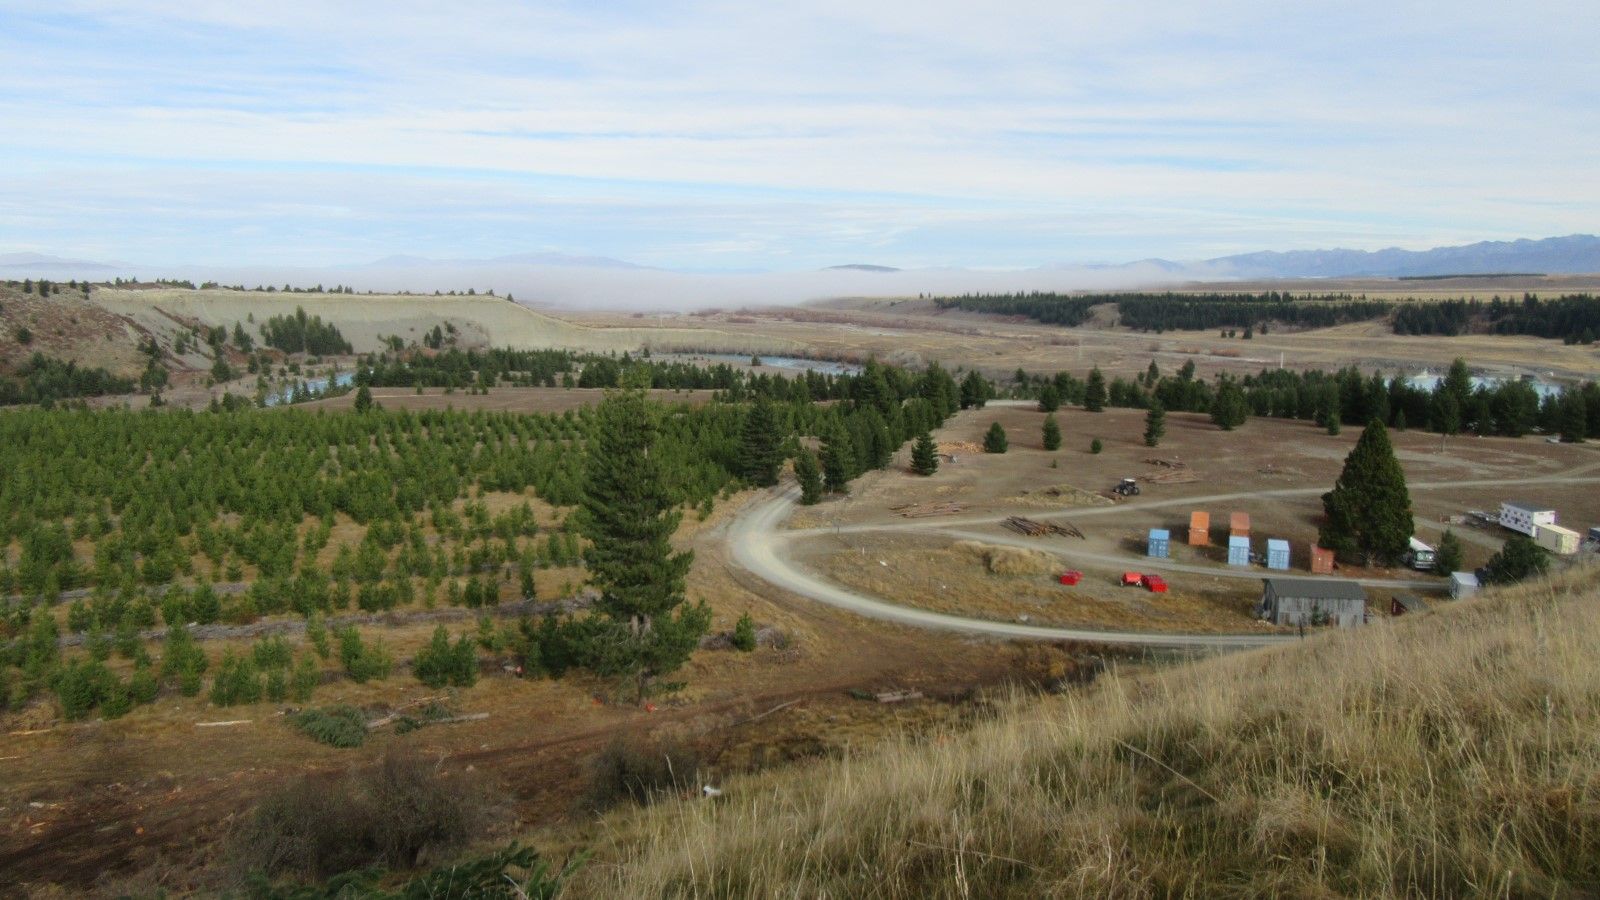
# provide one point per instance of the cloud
(728, 135)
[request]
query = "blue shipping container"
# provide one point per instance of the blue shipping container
(1160, 539)
(1277, 554)
(1238, 550)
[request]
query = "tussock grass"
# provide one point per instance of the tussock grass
(1455, 753)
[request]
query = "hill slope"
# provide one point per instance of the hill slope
(1445, 754)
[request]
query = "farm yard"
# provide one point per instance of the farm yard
(932, 542)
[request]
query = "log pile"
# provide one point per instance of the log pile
(1030, 528)
(924, 510)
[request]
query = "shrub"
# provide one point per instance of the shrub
(744, 634)
(144, 685)
(237, 680)
(398, 813)
(81, 686)
(994, 441)
(337, 726)
(639, 773)
(442, 663)
(272, 653)
(362, 662)
(305, 679)
(1095, 446)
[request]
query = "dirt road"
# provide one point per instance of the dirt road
(759, 546)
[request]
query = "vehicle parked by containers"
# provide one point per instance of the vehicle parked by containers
(1419, 556)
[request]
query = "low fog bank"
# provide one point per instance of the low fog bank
(577, 287)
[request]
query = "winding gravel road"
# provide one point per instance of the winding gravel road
(759, 546)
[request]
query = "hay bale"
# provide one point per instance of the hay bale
(1009, 560)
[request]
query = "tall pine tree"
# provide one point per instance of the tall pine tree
(924, 455)
(628, 514)
(1155, 423)
(1369, 509)
(1094, 392)
(761, 445)
(838, 460)
(974, 391)
(809, 474)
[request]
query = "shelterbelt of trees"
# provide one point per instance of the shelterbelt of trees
(147, 511)
(1574, 318)
(1346, 397)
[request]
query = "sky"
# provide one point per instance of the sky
(738, 136)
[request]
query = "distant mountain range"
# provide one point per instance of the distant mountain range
(560, 277)
(1577, 253)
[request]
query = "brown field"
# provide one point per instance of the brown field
(919, 561)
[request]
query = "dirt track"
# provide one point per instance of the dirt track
(758, 545)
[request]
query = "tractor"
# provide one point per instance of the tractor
(1128, 487)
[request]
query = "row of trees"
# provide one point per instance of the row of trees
(1574, 318)
(1179, 312)
(45, 380)
(300, 333)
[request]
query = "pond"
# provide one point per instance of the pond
(823, 366)
(1428, 381)
(316, 386)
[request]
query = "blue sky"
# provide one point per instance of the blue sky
(736, 135)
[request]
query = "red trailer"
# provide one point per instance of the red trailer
(1156, 584)
(1071, 576)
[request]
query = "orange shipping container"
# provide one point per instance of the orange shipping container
(1239, 524)
(1321, 561)
(1199, 529)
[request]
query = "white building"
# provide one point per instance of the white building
(1525, 517)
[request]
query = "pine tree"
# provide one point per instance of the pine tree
(1369, 509)
(1519, 558)
(1572, 417)
(1051, 434)
(760, 445)
(809, 475)
(1229, 410)
(1094, 392)
(924, 455)
(1447, 558)
(995, 440)
(1049, 398)
(363, 399)
(629, 514)
(838, 460)
(974, 391)
(1155, 423)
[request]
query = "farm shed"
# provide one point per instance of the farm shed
(1525, 517)
(1313, 601)
(1463, 585)
(1321, 561)
(1557, 539)
(1239, 524)
(1277, 554)
(1158, 543)
(1238, 550)
(1199, 529)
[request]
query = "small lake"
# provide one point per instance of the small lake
(1428, 381)
(315, 386)
(823, 366)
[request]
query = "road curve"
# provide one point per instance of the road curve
(755, 547)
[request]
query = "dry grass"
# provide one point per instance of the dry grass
(1447, 754)
(1009, 560)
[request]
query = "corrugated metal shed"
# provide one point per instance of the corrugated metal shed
(1313, 601)
(1238, 550)
(1199, 528)
(1159, 541)
(1277, 554)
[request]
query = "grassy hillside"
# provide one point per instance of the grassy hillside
(1454, 753)
(364, 318)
